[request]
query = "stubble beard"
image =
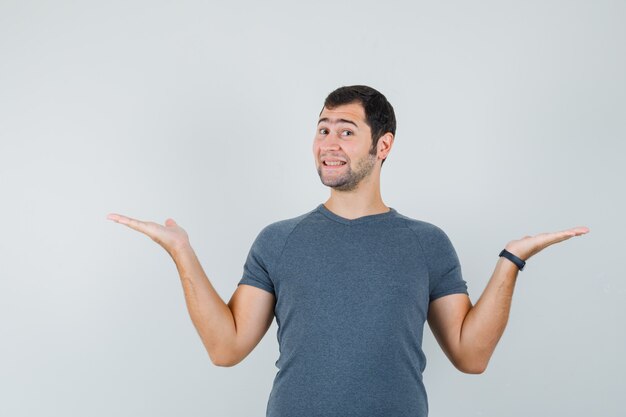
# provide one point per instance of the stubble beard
(349, 179)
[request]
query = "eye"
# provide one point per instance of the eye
(324, 131)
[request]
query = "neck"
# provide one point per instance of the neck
(362, 201)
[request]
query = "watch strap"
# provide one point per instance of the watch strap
(517, 261)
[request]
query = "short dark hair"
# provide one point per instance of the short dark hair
(379, 113)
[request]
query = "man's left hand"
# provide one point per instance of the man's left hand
(528, 246)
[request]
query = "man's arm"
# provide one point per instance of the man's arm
(253, 309)
(228, 332)
(468, 334)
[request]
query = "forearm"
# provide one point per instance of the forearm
(486, 320)
(210, 315)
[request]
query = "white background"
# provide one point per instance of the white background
(511, 121)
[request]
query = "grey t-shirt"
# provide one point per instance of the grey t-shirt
(352, 297)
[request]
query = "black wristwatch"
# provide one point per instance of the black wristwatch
(517, 261)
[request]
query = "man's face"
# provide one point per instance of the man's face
(343, 135)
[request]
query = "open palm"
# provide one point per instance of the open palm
(528, 246)
(170, 236)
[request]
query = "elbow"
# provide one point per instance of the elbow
(472, 366)
(476, 369)
(222, 362)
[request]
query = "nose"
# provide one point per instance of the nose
(331, 141)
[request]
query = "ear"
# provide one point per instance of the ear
(385, 142)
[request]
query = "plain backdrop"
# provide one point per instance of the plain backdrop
(511, 121)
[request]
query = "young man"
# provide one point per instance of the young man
(351, 284)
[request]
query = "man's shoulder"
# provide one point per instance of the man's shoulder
(279, 230)
(421, 227)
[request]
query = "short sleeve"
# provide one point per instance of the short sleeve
(444, 267)
(256, 270)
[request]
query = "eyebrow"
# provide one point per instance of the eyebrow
(326, 119)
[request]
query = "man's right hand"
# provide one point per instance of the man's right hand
(230, 331)
(171, 237)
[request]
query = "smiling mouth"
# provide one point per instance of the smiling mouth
(334, 165)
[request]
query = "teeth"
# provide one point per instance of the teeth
(334, 163)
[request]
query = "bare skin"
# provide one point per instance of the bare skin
(467, 333)
(230, 331)
(354, 187)
(170, 236)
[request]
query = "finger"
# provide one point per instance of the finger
(130, 222)
(115, 217)
(550, 238)
(579, 230)
(118, 218)
(574, 231)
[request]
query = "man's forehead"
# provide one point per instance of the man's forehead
(348, 113)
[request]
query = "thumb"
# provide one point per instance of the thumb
(170, 222)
